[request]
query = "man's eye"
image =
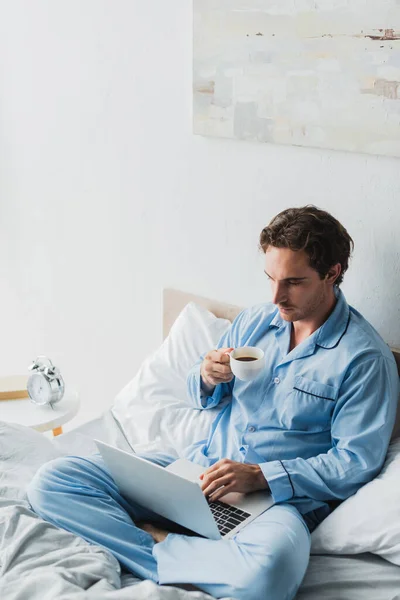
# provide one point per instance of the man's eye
(294, 282)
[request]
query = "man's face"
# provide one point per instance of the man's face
(297, 289)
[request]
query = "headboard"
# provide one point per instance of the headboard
(174, 301)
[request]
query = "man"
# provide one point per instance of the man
(311, 430)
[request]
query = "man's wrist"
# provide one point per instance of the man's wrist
(206, 387)
(262, 483)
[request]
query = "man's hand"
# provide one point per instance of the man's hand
(215, 368)
(234, 476)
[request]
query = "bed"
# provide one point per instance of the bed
(38, 560)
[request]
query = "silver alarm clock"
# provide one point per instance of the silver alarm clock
(45, 384)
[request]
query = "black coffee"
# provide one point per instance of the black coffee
(246, 358)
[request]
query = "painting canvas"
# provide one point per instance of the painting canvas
(319, 73)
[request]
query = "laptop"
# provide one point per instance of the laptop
(174, 492)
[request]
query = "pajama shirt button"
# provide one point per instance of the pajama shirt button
(277, 380)
(252, 429)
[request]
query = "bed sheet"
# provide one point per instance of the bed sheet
(79, 441)
(357, 577)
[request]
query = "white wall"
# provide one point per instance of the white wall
(106, 197)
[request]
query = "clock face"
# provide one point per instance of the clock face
(39, 389)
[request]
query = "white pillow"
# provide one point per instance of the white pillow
(369, 521)
(152, 409)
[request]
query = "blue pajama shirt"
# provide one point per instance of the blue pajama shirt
(318, 421)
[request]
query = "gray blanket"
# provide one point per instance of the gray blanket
(41, 562)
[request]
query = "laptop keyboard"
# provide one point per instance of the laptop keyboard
(226, 516)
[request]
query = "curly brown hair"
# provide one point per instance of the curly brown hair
(315, 231)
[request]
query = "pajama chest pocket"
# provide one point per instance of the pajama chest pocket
(309, 405)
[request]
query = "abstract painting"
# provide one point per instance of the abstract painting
(318, 73)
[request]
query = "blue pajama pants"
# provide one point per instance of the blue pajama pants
(267, 559)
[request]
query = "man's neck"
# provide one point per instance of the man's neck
(303, 328)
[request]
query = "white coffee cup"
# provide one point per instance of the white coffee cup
(247, 370)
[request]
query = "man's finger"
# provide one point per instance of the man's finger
(225, 360)
(211, 469)
(215, 485)
(212, 473)
(222, 492)
(219, 369)
(222, 355)
(210, 476)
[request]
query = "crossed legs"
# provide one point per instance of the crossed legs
(266, 559)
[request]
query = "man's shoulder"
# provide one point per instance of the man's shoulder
(363, 336)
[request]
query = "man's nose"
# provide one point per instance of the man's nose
(278, 293)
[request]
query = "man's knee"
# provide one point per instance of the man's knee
(277, 570)
(46, 480)
(278, 578)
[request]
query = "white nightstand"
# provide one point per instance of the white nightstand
(41, 418)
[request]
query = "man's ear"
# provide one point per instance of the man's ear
(333, 273)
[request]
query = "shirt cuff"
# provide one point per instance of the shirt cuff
(278, 480)
(208, 400)
(213, 400)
